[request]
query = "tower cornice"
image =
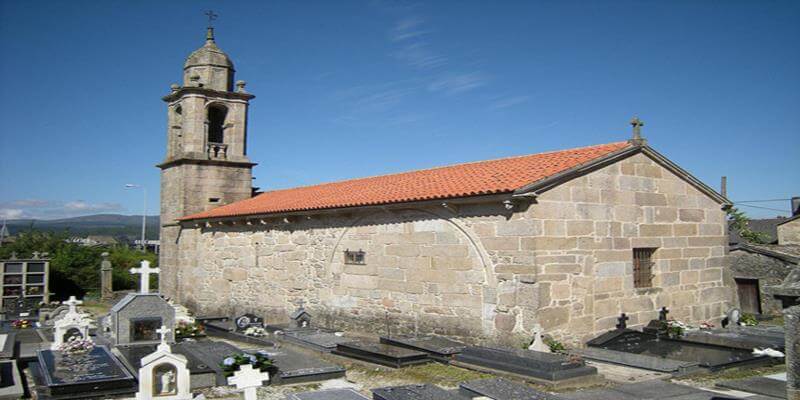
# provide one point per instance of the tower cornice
(204, 161)
(183, 91)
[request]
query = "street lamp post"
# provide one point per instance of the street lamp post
(144, 211)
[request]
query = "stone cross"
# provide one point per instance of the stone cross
(637, 125)
(36, 255)
(623, 321)
(211, 17)
(73, 304)
(13, 255)
(662, 314)
(162, 332)
(145, 272)
(248, 379)
(106, 278)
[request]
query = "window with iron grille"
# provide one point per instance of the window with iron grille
(643, 267)
(354, 257)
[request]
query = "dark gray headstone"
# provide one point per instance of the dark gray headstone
(414, 392)
(248, 320)
(333, 394)
(380, 353)
(546, 366)
(501, 389)
(95, 370)
(437, 346)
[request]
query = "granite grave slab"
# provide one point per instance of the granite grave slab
(379, 353)
(547, 367)
(202, 375)
(414, 392)
(438, 347)
(642, 361)
(758, 385)
(501, 389)
(297, 367)
(648, 390)
(211, 354)
(314, 338)
(7, 342)
(226, 329)
(743, 337)
(10, 380)
(97, 373)
(709, 356)
(332, 394)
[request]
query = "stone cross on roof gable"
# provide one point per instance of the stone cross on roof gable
(637, 125)
(249, 379)
(145, 271)
(73, 304)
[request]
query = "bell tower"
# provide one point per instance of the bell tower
(206, 164)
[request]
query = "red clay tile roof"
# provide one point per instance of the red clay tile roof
(471, 179)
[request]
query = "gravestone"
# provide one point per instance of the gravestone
(10, 380)
(380, 353)
(301, 318)
(537, 344)
(548, 367)
(331, 394)
(414, 392)
(72, 324)
(791, 317)
(248, 320)
(501, 389)
(248, 379)
(437, 347)
(144, 272)
(106, 278)
(622, 321)
(97, 373)
(136, 318)
(298, 367)
(164, 375)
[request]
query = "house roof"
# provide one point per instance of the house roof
(498, 176)
(786, 252)
(767, 226)
(785, 220)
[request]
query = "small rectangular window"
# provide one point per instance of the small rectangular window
(354, 257)
(213, 200)
(643, 267)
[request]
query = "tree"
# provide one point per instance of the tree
(741, 224)
(75, 269)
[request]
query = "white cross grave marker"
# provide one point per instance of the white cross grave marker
(73, 304)
(144, 278)
(162, 332)
(248, 379)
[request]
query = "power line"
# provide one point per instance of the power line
(764, 208)
(761, 201)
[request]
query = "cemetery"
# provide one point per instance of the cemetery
(147, 347)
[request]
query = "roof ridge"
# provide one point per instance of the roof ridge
(439, 167)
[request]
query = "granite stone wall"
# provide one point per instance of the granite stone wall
(476, 271)
(789, 232)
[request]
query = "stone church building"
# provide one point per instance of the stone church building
(565, 239)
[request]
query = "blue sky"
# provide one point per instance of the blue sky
(354, 88)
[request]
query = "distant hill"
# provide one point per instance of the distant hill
(119, 226)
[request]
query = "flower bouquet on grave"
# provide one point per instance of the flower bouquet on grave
(186, 329)
(676, 329)
(255, 331)
(76, 346)
(706, 325)
(259, 361)
(21, 324)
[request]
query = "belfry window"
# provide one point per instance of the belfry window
(216, 123)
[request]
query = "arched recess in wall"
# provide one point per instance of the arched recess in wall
(488, 270)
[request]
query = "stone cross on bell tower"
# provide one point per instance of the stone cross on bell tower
(206, 163)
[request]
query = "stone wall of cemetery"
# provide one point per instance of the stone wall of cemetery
(477, 271)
